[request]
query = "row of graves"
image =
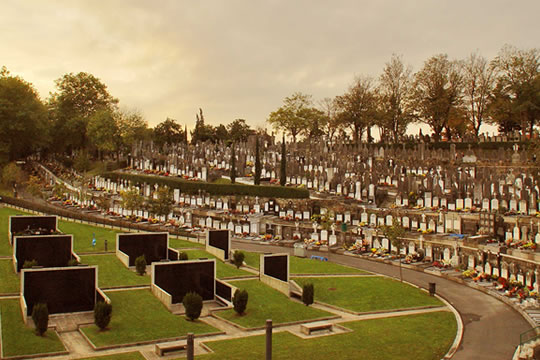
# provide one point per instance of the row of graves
(57, 280)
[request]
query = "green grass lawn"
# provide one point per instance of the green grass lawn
(82, 236)
(222, 270)
(138, 316)
(18, 339)
(252, 259)
(183, 244)
(5, 212)
(124, 356)
(112, 272)
(9, 280)
(307, 266)
(267, 303)
(398, 338)
(364, 294)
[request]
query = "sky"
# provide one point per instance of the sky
(241, 58)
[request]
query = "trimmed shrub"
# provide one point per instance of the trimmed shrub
(193, 304)
(240, 300)
(28, 264)
(102, 314)
(193, 187)
(40, 316)
(238, 258)
(308, 294)
(140, 265)
(183, 256)
(73, 262)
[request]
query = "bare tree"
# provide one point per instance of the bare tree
(395, 86)
(478, 84)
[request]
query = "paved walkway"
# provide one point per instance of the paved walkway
(491, 328)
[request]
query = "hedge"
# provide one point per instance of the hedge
(193, 187)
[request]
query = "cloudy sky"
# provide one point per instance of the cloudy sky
(239, 59)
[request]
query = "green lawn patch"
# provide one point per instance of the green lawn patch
(112, 272)
(18, 339)
(5, 212)
(82, 236)
(222, 270)
(252, 259)
(307, 266)
(364, 294)
(139, 316)
(124, 356)
(10, 280)
(398, 338)
(183, 244)
(267, 303)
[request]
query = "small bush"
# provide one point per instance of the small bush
(28, 264)
(238, 258)
(40, 315)
(73, 262)
(140, 265)
(193, 304)
(240, 300)
(183, 256)
(102, 314)
(308, 294)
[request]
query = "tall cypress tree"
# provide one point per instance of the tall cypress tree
(257, 178)
(233, 164)
(283, 170)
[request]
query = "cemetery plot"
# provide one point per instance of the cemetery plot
(140, 316)
(412, 337)
(64, 290)
(173, 280)
(112, 273)
(183, 244)
(223, 270)
(365, 294)
(84, 233)
(268, 303)
(218, 243)
(9, 282)
(5, 239)
(47, 250)
(19, 339)
(308, 266)
(32, 225)
(154, 247)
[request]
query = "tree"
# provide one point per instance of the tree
(22, 116)
(478, 84)
(34, 186)
(222, 134)
(395, 235)
(12, 174)
(238, 258)
(140, 265)
(102, 314)
(233, 164)
(169, 133)
(291, 117)
(283, 164)
(357, 107)
(308, 294)
(240, 300)
(132, 199)
(202, 132)
(257, 177)
(103, 132)
(519, 80)
(395, 90)
(331, 123)
(193, 304)
(437, 92)
(132, 128)
(78, 97)
(40, 316)
(162, 204)
(239, 130)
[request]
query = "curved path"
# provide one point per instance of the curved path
(491, 328)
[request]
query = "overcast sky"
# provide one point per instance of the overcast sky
(239, 59)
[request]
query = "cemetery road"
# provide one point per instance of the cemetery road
(491, 328)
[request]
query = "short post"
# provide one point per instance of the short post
(432, 287)
(190, 348)
(268, 339)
